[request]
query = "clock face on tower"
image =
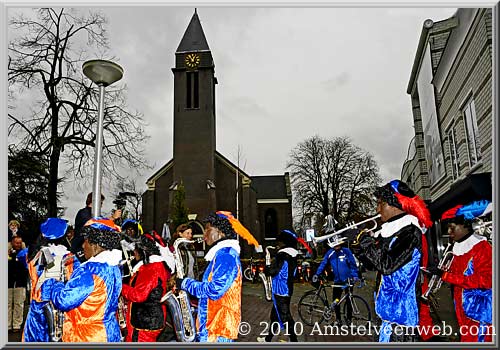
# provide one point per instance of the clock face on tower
(192, 60)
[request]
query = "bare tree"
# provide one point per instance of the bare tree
(131, 193)
(332, 177)
(45, 59)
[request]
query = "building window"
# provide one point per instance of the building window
(472, 132)
(271, 223)
(452, 145)
(192, 90)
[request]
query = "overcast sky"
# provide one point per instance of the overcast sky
(285, 74)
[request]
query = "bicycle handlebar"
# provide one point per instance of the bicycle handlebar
(351, 282)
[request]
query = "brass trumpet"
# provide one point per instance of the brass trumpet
(435, 281)
(482, 227)
(351, 226)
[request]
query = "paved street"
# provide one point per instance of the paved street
(255, 309)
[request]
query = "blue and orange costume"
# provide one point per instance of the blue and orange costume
(396, 254)
(219, 291)
(470, 275)
(146, 316)
(90, 297)
(53, 229)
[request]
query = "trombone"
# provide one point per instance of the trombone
(351, 226)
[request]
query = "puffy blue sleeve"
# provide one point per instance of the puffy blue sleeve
(352, 263)
(225, 271)
(324, 262)
(76, 262)
(69, 296)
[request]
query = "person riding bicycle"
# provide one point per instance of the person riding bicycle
(343, 267)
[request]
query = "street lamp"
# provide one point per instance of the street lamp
(103, 73)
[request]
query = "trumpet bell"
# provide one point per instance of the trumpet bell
(350, 232)
(482, 227)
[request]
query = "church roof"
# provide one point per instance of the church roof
(230, 164)
(270, 186)
(194, 38)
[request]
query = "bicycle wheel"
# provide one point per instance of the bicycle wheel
(312, 307)
(361, 313)
(247, 273)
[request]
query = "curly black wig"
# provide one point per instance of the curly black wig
(222, 224)
(146, 247)
(458, 220)
(108, 240)
(288, 238)
(386, 193)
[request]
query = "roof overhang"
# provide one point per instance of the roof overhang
(473, 187)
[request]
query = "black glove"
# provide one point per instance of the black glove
(315, 278)
(434, 270)
(178, 283)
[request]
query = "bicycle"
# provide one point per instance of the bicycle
(304, 271)
(315, 307)
(251, 273)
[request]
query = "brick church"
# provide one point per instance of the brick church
(209, 178)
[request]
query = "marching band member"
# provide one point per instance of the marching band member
(470, 273)
(146, 316)
(43, 262)
(219, 292)
(190, 268)
(90, 297)
(396, 253)
(132, 228)
(282, 270)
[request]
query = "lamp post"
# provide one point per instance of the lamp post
(103, 73)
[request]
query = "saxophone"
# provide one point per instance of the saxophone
(180, 305)
(54, 317)
(266, 280)
(122, 310)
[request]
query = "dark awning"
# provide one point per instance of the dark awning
(474, 187)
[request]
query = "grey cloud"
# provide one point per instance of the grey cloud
(285, 74)
(336, 82)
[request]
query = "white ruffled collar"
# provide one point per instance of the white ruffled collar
(232, 243)
(58, 250)
(290, 251)
(461, 248)
(110, 257)
(137, 266)
(167, 256)
(391, 227)
(152, 259)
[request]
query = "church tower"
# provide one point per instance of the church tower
(211, 181)
(194, 119)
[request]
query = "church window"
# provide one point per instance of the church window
(192, 90)
(271, 223)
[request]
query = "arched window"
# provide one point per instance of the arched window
(271, 223)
